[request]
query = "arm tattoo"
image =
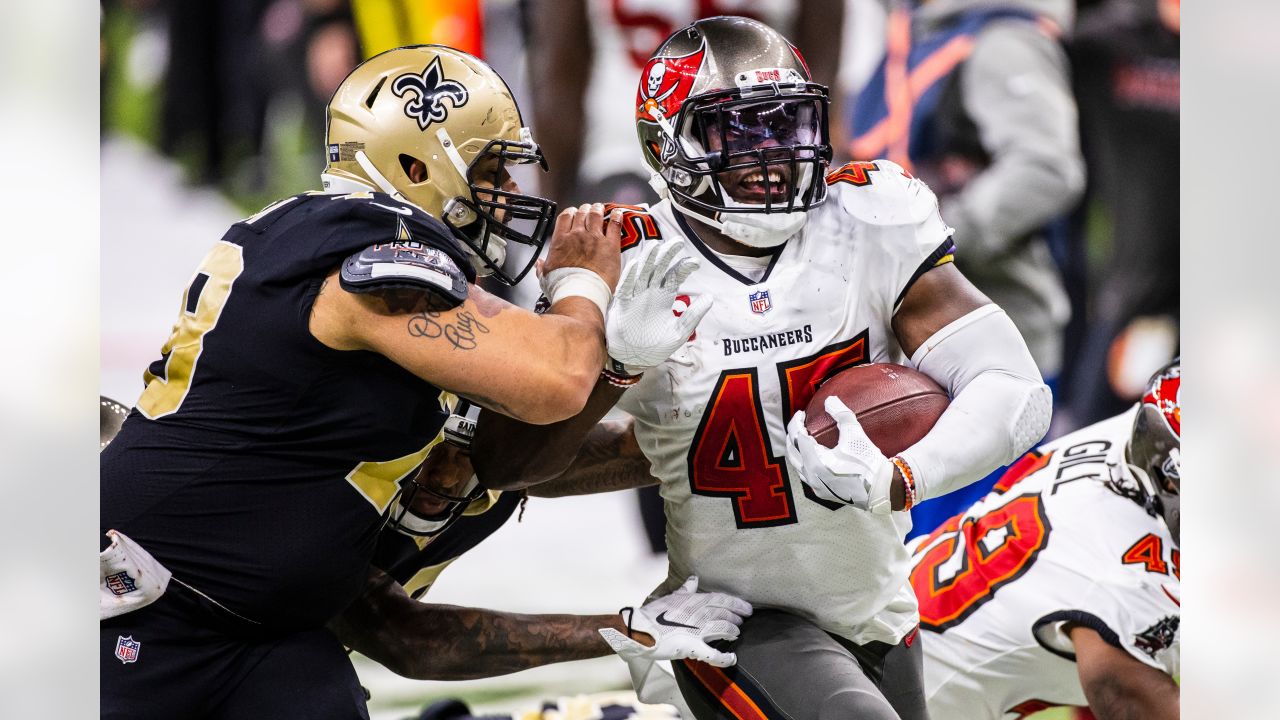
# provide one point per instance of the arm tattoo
(462, 330)
(455, 643)
(445, 642)
(610, 459)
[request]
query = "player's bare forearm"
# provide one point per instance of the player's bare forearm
(511, 455)
(610, 459)
(468, 349)
(444, 642)
(1118, 686)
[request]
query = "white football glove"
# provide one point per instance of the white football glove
(640, 326)
(681, 624)
(854, 472)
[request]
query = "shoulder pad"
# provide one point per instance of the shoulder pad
(405, 265)
(882, 193)
(637, 224)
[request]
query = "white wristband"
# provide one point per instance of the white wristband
(576, 281)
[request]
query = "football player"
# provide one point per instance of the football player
(242, 498)
(811, 273)
(428, 531)
(1061, 587)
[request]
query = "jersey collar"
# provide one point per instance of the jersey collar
(711, 255)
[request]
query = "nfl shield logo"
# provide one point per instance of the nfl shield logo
(121, 583)
(333, 153)
(760, 302)
(127, 649)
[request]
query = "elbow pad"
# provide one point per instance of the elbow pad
(1000, 406)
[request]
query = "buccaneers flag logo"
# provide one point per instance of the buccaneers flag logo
(1165, 395)
(665, 83)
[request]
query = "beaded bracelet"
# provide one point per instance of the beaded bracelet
(619, 380)
(908, 482)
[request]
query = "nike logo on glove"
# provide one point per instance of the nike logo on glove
(662, 620)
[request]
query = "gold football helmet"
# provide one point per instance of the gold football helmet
(452, 113)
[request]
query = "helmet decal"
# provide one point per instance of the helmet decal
(665, 83)
(1164, 394)
(800, 57)
(429, 91)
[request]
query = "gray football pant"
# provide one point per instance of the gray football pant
(789, 669)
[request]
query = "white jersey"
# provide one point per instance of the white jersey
(712, 419)
(1052, 544)
(624, 35)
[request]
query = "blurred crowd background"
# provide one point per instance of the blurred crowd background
(1053, 149)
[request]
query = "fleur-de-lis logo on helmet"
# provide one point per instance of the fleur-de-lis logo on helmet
(429, 91)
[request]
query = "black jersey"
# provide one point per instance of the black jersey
(258, 462)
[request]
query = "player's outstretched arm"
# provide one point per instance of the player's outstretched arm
(536, 368)
(610, 459)
(425, 641)
(1117, 685)
(443, 642)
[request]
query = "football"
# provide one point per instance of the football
(895, 405)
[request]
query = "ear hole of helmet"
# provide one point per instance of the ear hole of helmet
(407, 165)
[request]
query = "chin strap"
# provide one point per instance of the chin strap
(758, 230)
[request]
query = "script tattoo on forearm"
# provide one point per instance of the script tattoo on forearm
(462, 330)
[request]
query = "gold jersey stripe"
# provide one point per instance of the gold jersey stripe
(379, 481)
(425, 578)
